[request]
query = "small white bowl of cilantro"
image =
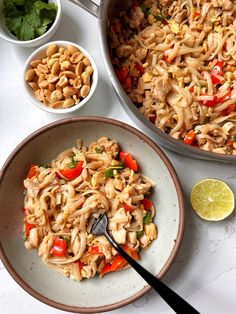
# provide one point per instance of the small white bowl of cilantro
(29, 23)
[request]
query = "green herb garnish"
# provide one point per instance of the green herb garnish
(139, 233)
(147, 218)
(98, 150)
(67, 239)
(145, 10)
(234, 137)
(160, 17)
(109, 173)
(25, 238)
(73, 162)
(28, 19)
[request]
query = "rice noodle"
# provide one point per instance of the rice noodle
(187, 76)
(61, 207)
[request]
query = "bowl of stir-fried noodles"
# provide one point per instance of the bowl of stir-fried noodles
(53, 187)
(173, 65)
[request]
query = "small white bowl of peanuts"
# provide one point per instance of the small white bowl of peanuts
(60, 77)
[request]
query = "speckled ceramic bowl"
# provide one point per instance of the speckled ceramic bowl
(116, 289)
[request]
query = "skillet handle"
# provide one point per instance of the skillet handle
(88, 6)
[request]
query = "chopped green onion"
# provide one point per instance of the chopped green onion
(25, 238)
(46, 166)
(147, 218)
(139, 233)
(160, 17)
(98, 150)
(67, 239)
(72, 165)
(73, 162)
(109, 173)
(145, 10)
(234, 137)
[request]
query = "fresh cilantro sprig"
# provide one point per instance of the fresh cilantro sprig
(28, 19)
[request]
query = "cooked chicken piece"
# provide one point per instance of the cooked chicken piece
(119, 236)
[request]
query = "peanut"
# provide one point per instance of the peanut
(61, 78)
(29, 75)
(69, 91)
(35, 63)
(89, 70)
(56, 95)
(57, 104)
(69, 102)
(52, 78)
(65, 65)
(72, 49)
(43, 84)
(34, 86)
(76, 57)
(86, 61)
(51, 50)
(55, 68)
(68, 74)
(85, 89)
(85, 78)
(77, 82)
(42, 68)
(63, 81)
(79, 68)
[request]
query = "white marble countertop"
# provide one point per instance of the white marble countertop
(204, 272)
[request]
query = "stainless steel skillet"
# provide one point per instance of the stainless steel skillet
(105, 13)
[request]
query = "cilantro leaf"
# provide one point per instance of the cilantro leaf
(28, 19)
(13, 24)
(26, 31)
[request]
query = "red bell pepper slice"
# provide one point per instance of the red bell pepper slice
(72, 173)
(228, 110)
(134, 254)
(80, 264)
(211, 103)
(127, 82)
(190, 137)
(33, 170)
(128, 208)
(166, 58)
(117, 263)
(94, 250)
(147, 204)
(225, 97)
(122, 73)
(153, 118)
(196, 14)
(139, 67)
(28, 227)
(218, 68)
(128, 161)
(59, 247)
(215, 80)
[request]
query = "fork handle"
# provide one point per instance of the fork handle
(176, 302)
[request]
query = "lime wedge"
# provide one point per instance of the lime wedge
(212, 199)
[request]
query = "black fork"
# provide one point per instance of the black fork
(177, 303)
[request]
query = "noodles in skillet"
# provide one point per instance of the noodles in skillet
(63, 199)
(177, 62)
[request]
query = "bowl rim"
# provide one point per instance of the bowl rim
(181, 203)
(25, 43)
(41, 105)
